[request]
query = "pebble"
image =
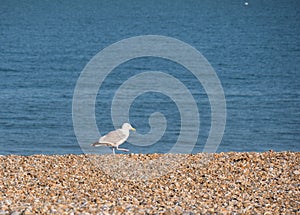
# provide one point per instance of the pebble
(224, 183)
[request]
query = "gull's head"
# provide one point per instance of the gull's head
(127, 126)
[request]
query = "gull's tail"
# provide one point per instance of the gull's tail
(94, 144)
(98, 144)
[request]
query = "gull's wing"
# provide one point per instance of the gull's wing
(113, 138)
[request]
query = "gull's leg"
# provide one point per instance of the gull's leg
(125, 150)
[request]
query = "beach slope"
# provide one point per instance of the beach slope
(259, 183)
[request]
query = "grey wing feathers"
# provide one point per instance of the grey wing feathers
(113, 137)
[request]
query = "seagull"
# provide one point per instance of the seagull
(115, 138)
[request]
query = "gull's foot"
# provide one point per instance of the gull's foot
(125, 150)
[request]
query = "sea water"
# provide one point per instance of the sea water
(254, 49)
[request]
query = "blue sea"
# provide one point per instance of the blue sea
(254, 49)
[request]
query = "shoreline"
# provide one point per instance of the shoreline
(240, 182)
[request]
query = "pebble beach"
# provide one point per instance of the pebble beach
(223, 183)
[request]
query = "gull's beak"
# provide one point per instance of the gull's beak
(133, 129)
